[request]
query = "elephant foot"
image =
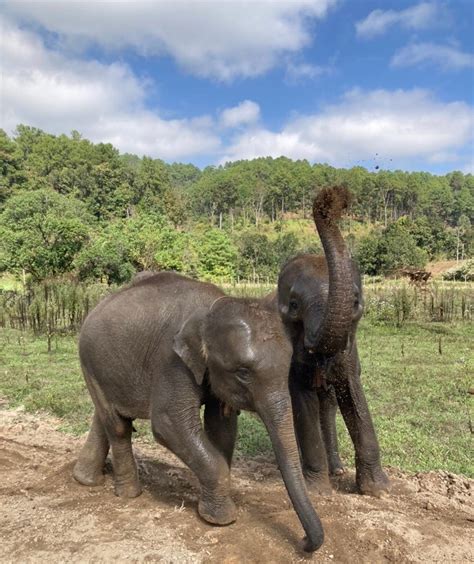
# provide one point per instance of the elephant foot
(128, 489)
(87, 475)
(372, 482)
(318, 482)
(222, 512)
(335, 465)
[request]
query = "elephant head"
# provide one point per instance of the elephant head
(245, 352)
(319, 298)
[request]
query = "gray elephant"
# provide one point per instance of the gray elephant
(161, 348)
(320, 302)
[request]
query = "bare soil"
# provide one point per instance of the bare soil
(47, 517)
(438, 268)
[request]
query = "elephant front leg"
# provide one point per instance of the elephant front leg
(220, 425)
(328, 410)
(183, 434)
(370, 477)
(310, 442)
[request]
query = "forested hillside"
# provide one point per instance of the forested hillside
(71, 206)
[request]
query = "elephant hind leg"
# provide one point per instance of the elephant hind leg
(89, 468)
(119, 433)
(110, 428)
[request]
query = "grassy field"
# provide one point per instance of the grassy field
(416, 377)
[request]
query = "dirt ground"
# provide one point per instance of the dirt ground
(47, 517)
(438, 268)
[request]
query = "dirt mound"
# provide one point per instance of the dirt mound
(47, 517)
(437, 269)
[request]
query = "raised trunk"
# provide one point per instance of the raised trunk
(330, 335)
(278, 419)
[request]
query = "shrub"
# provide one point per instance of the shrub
(391, 249)
(463, 272)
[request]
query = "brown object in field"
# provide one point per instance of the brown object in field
(416, 276)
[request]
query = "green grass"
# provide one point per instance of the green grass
(419, 398)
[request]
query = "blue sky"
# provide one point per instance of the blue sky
(347, 82)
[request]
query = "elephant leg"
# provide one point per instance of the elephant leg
(308, 434)
(89, 468)
(328, 409)
(220, 428)
(119, 434)
(181, 431)
(370, 477)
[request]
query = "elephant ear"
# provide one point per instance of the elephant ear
(188, 344)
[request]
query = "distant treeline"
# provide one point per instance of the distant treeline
(69, 205)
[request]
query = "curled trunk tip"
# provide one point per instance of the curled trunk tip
(331, 203)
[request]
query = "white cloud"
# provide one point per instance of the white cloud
(299, 72)
(378, 21)
(105, 102)
(444, 56)
(245, 113)
(220, 39)
(400, 124)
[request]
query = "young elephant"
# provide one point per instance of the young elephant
(320, 301)
(161, 348)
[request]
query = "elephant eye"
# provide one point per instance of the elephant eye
(293, 305)
(243, 374)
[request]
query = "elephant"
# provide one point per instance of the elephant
(320, 301)
(161, 348)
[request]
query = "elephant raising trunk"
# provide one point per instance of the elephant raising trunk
(329, 335)
(320, 302)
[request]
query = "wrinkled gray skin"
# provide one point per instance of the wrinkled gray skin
(320, 301)
(161, 348)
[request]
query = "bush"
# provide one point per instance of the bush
(174, 251)
(389, 250)
(463, 272)
(217, 256)
(108, 257)
(261, 255)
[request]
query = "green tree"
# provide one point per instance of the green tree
(368, 254)
(399, 249)
(11, 173)
(255, 258)
(108, 256)
(389, 250)
(41, 232)
(430, 235)
(175, 251)
(217, 256)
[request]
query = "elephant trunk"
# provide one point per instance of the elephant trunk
(278, 419)
(330, 335)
